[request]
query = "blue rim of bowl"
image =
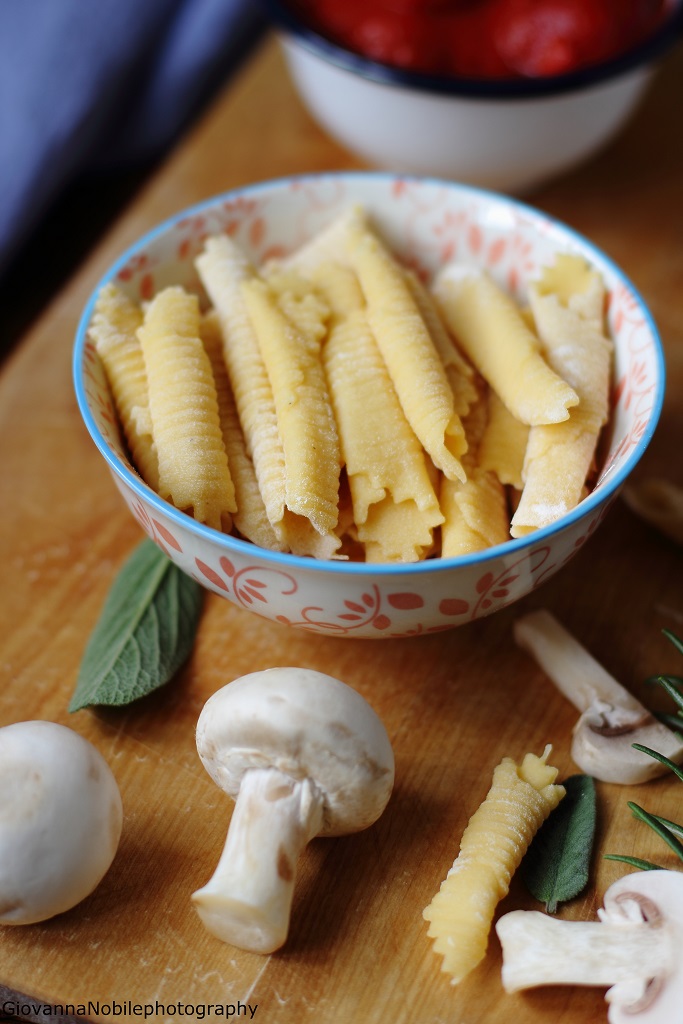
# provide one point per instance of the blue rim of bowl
(653, 47)
(607, 491)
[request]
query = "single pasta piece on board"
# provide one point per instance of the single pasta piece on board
(559, 456)
(409, 353)
(193, 465)
(395, 508)
(114, 332)
(223, 267)
(493, 844)
(487, 323)
(250, 517)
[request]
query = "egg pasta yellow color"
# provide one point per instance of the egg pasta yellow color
(304, 414)
(503, 445)
(459, 371)
(113, 331)
(193, 465)
(395, 508)
(223, 267)
(493, 844)
(559, 456)
(409, 353)
(475, 512)
(250, 516)
(487, 323)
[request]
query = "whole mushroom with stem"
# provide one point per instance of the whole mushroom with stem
(303, 755)
(611, 720)
(60, 820)
(635, 948)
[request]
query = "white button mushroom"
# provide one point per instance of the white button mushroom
(611, 721)
(303, 754)
(60, 820)
(635, 947)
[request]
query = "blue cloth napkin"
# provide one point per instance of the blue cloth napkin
(93, 84)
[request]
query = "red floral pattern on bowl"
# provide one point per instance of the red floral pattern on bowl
(427, 223)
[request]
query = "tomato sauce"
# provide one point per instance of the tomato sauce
(485, 38)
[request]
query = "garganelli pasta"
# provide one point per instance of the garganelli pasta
(336, 404)
(498, 835)
(223, 268)
(490, 328)
(559, 455)
(114, 332)
(250, 513)
(409, 353)
(193, 465)
(395, 509)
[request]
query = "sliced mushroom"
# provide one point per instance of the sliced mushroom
(303, 755)
(635, 948)
(611, 721)
(60, 820)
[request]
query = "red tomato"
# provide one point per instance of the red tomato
(557, 36)
(471, 49)
(404, 41)
(485, 38)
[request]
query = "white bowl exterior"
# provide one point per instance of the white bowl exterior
(427, 223)
(509, 145)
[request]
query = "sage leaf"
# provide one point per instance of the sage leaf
(144, 634)
(556, 866)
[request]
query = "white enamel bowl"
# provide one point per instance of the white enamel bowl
(427, 222)
(510, 135)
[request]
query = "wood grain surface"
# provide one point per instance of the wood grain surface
(453, 703)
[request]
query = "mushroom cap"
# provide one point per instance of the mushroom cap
(655, 897)
(60, 820)
(307, 725)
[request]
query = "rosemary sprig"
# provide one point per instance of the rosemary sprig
(675, 640)
(655, 824)
(634, 862)
(676, 769)
(665, 829)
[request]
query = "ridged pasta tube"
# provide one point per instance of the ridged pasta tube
(395, 508)
(459, 371)
(302, 404)
(488, 325)
(503, 445)
(250, 516)
(113, 331)
(409, 352)
(223, 267)
(475, 512)
(193, 466)
(493, 844)
(559, 456)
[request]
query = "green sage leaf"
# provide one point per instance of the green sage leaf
(556, 866)
(145, 632)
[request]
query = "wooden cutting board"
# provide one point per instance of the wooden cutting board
(453, 703)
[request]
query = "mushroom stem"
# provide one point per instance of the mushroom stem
(612, 719)
(542, 950)
(634, 947)
(247, 901)
(574, 671)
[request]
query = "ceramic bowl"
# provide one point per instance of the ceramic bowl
(510, 135)
(426, 222)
